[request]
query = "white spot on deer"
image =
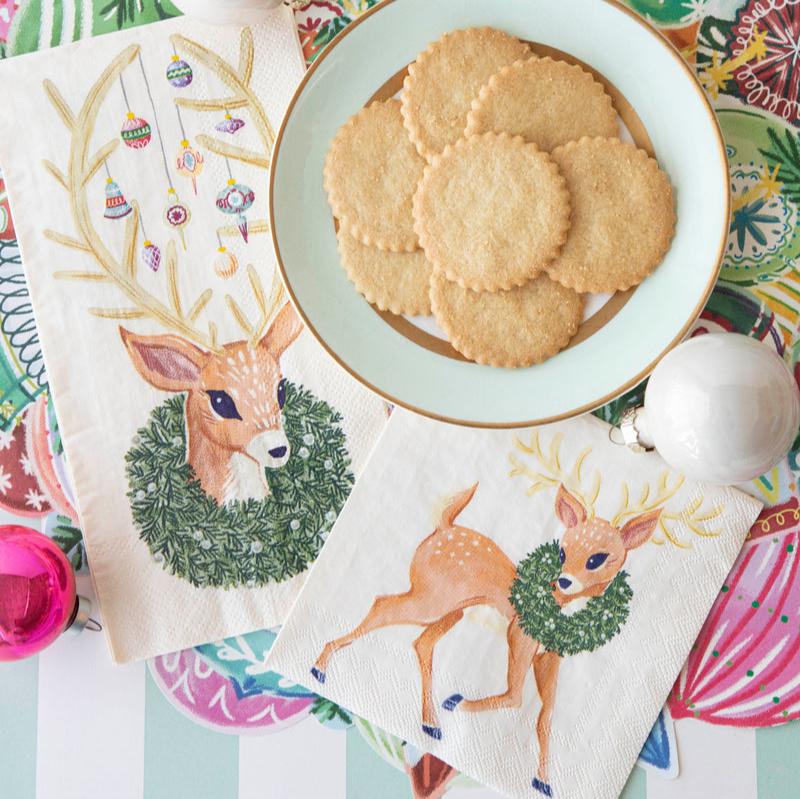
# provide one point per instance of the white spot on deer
(246, 370)
(251, 393)
(461, 563)
(461, 543)
(467, 553)
(452, 554)
(450, 537)
(241, 356)
(475, 542)
(230, 361)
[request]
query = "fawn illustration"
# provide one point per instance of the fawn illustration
(456, 568)
(233, 405)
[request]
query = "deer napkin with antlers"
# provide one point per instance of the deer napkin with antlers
(519, 603)
(211, 441)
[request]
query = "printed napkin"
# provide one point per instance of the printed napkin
(519, 603)
(211, 441)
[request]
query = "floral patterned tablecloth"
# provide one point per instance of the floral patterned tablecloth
(726, 728)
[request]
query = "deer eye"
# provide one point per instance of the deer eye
(223, 405)
(562, 555)
(282, 393)
(596, 561)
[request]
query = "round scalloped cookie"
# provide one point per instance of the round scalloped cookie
(446, 77)
(491, 211)
(547, 102)
(370, 175)
(519, 327)
(393, 281)
(623, 215)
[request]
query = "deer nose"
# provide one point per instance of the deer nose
(278, 452)
(564, 583)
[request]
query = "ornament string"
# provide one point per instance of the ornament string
(155, 121)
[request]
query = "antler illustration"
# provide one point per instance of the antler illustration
(122, 272)
(242, 96)
(551, 472)
(267, 307)
(691, 515)
(238, 81)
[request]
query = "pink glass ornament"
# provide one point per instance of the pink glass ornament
(37, 592)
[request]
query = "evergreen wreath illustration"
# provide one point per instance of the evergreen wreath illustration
(541, 618)
(251, 542)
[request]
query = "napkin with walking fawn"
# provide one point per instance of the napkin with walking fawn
(519, 603)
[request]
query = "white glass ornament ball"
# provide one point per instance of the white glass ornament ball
(227, 12)
(720, 407)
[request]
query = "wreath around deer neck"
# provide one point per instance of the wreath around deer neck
(542, 619)
(244, 542)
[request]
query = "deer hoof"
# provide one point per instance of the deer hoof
(542, 786)
(451, 703)
(434, 732)
(317, 674)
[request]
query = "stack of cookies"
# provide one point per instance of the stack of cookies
(495, 194)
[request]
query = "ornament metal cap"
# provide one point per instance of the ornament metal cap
(633, 428)
(81, 617)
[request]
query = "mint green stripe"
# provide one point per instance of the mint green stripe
(58, 23)
(19, 691)
(76, 27)
(369, 776)
(183, 759)
(636, 787)
(777, 762)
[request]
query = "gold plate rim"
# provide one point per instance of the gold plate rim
(586, 407)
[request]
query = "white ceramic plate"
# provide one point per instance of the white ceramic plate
(661, 104)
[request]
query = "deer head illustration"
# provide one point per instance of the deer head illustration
(233, 404)
(593, 550)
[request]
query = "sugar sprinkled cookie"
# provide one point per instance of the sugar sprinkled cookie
(491, 211)
(370, 175)
(547, 102)
(519, 327)
(393, 281)
(623, 215)
(442, 82)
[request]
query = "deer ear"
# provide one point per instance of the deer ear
(168, 362)
(285, 328)
(639, 529)
(569, 510)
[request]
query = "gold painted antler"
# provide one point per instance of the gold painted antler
(242, 96)
(550, 472)
(122, 272)
(691, 515)
(267, 307)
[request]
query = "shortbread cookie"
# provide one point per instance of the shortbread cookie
(393, 281)
(546, 102)
(371, 173)
(623, 215)
(491, 211)
(519, 327)
(443, 81)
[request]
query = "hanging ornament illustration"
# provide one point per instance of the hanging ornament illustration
(151, 254)
(135, 132)
(117, 206)
(176, 214)
(225, 263)
(179, 73)
(229, 124)
(235, 199)
(190, 160)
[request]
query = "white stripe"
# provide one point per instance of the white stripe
(86, 19)
(90, 722)
(724, 657)
(714, 762)
(770, 551)
(306, 759)
(67, 21)
(46, 27)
